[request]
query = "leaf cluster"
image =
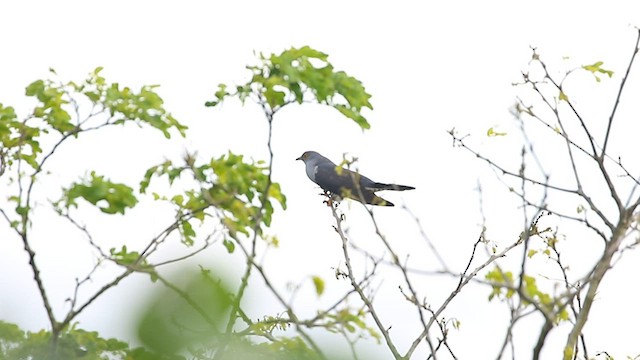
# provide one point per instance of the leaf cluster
(74, 343)
(298, 75)
(231, 185)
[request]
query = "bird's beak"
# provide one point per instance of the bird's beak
(300, 158)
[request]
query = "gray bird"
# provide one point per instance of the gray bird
(344, 182)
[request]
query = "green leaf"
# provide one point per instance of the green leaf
(166, 168)
(352, 90)
(229, 245)
(220, 94)
(178, 199)
(499, 279)
(353, 115)
(35, 88)
(187, 232)
(22, 210)
(7, 115)
(98, 190)
(275, 98)
(596, 68)
(492, 132)
(123, 256)
(563, 315)
(318, 283)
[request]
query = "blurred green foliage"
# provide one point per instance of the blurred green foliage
(73, 343)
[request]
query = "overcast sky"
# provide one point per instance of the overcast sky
(430, 66)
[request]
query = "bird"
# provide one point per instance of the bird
(345, 183)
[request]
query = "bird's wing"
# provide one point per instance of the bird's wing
(337, 180)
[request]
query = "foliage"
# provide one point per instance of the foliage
(237, 196)
(178, 318)
(96, 189)
(294, 76)
(73, 343)
(227, 183)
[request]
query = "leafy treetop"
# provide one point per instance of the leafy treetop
(298, 75)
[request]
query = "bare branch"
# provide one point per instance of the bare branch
(357, 288)
(423, 234)
(465, 278)
(622, 84)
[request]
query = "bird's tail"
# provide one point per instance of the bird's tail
(381, 186)
(377, 200)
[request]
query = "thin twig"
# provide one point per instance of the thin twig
(622, 84)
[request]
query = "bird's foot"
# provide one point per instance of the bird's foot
(331, 199)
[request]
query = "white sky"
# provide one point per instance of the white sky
(429, 66)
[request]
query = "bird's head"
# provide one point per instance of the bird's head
(306, 155)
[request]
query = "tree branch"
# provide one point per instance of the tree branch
(356, 287)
